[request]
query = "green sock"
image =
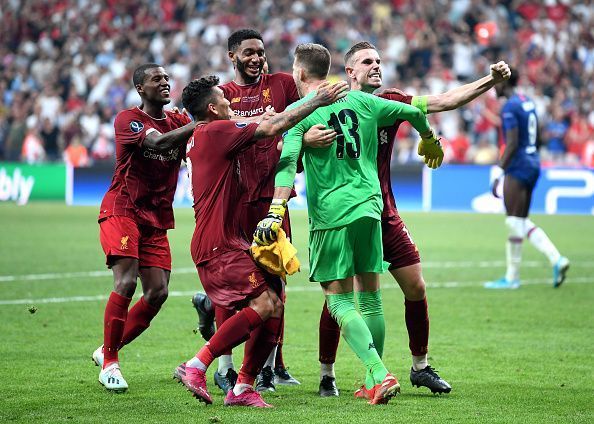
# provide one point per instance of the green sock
(356, 333)
(370, 305)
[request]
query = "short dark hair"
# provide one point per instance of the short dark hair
(314, 58)
(198, 94)
(238, 36)
(363, 45)
(140, 73)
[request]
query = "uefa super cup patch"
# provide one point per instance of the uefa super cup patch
(136, 126)
(241, 124)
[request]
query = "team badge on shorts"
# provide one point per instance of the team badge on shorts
(136, 126)
(124, 242)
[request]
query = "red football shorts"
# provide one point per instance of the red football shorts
(254, 212)
(232, 278)
(399, 248)
(121, 236)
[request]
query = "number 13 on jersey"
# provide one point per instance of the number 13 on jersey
(346, 118)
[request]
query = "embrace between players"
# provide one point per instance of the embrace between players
(241, 183)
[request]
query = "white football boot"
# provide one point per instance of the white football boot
(111, 377)
(98, 356)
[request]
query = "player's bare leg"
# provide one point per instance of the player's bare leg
(233, 332)
(125, 272)
(341, 303)
(411, 282)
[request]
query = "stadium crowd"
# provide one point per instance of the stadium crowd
(66, 64)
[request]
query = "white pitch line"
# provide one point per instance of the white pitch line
(308, 288)
(304, 267)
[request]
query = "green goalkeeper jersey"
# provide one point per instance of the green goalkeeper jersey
(341, 180)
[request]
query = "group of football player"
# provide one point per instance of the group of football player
(242, 172)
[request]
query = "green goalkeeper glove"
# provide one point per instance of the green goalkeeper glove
(430, 148)
(267, 229)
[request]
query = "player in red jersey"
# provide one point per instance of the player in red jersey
(363, 69)
(136, 213)
(230, 277)
(249, 94)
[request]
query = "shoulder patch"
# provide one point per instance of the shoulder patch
(136, 126)
(241, 124)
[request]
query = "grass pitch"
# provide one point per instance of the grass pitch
(511, 356)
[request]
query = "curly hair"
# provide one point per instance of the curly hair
(198, 94)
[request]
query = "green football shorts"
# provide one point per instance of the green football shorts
(342, 252)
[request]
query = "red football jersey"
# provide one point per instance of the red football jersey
(258, 163)
(386, 137)
(144, 180)
(212, 157)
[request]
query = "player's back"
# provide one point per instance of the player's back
(342, 182)
(520, 112)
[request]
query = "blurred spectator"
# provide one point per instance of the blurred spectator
(76, 154)
(70, 61)
(554, 134)
(32, 151)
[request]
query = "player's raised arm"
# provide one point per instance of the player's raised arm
(462, 95)
(281, 122)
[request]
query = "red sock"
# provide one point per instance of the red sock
(139, 319)
(114, 320)
(278, 360)
(258, 347)
(233, 332)
(329, 337)
(222, 315)
(417, 324)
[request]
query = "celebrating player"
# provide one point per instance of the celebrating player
(136, 213)
(521, 166)
(363, 68)
(219, 248)
(249, 94)
(344, 200)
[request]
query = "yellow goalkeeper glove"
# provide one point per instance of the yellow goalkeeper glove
(430, 148)
(267, 229)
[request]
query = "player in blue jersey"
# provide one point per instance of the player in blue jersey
(521, 166)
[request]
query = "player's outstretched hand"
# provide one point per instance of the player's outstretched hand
(319, 136)
(430, 149)
(267, 229)
(500, 71)
(329, 93)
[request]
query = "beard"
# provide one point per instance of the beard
(247, 77)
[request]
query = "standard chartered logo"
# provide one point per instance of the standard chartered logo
(15, 187)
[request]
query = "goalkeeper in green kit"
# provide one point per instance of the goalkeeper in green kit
(344, 199)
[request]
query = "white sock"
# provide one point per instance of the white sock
(225, 362)
(271, 358)
(327, 369)
(196, 363)
(514, 258)
(539, 239)
(419, 362)
(239, 388)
